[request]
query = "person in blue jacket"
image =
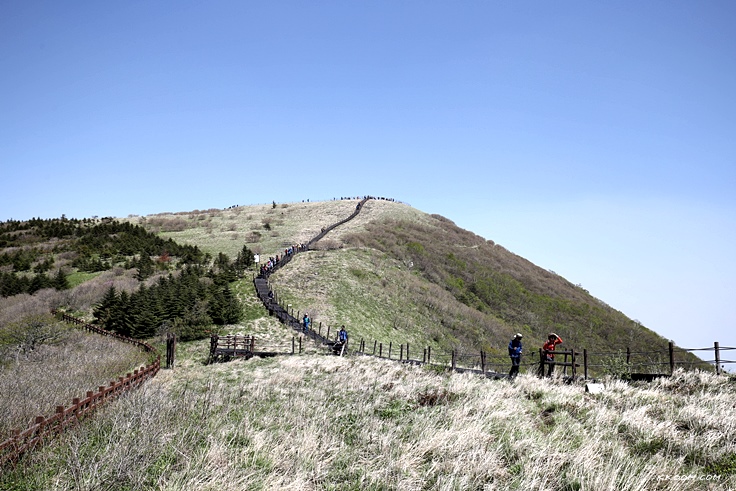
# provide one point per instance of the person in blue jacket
(515, 355)
(342, 335)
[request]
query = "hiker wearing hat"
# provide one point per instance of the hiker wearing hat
(515, 355)
(549, 355)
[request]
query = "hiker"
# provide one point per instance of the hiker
(341, 342)
(515, 355)
(549, 356)
(342, 336)
(306, 321)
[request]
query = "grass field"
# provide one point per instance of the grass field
(322, 422)
(317, 422)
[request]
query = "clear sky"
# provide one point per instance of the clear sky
(597, 139)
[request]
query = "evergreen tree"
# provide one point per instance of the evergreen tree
(105, 311)
(60, 281)
(39, 282)
(243, 261)
(145, 267)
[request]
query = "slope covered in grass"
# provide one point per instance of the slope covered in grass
(321, 422)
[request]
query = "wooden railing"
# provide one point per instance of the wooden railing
(44, 428)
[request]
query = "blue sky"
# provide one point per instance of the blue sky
(597, 139)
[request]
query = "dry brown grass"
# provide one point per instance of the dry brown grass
(33, 382)
(311, 422)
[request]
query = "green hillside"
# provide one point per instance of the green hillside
(393, 274)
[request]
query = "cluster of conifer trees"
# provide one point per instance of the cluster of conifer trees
(13, 284)
(188, 304)
(100, 246)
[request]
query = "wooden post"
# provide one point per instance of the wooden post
(380, 350)
(293, 343)
(401, 354)
(320, 328)
(541, 363)
(374, 347)
(564, 368)
(628, 356)
(574, 371)
(328, 332)
(170, 349)
(429, 354)
(672, 357)
(300, 344)
(390, 345)
(454, 359)
(424, 357)
(482, 362)
(716, 348)
(585, 363)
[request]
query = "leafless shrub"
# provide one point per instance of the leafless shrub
(47, 363)
(68, 256)
(162, 224)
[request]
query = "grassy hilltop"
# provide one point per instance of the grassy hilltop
(315, 421)
(396, 274)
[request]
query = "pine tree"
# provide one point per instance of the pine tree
(105, 311)
(60, 281)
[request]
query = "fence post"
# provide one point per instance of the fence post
(716, 348)
(482, 361)
(628, 356)
(672, 357)
(380, 350)
(320, 328)
(585, 363)
(401, 354)
(390, 345)
(574, 371)
(328, 333)
(429, 354)
(374, 347)
(300, 344)
(407, 351)
(293, 343)
(170, 349)
(541, 363)
(213, 346)
(454, 360)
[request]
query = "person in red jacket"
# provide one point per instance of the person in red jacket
(549, 355)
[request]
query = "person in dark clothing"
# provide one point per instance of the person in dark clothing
(341, 342)
(515, 355)
(306, 322)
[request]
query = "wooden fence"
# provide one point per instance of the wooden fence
(223, 348)
(637, 365)
(44, 428)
